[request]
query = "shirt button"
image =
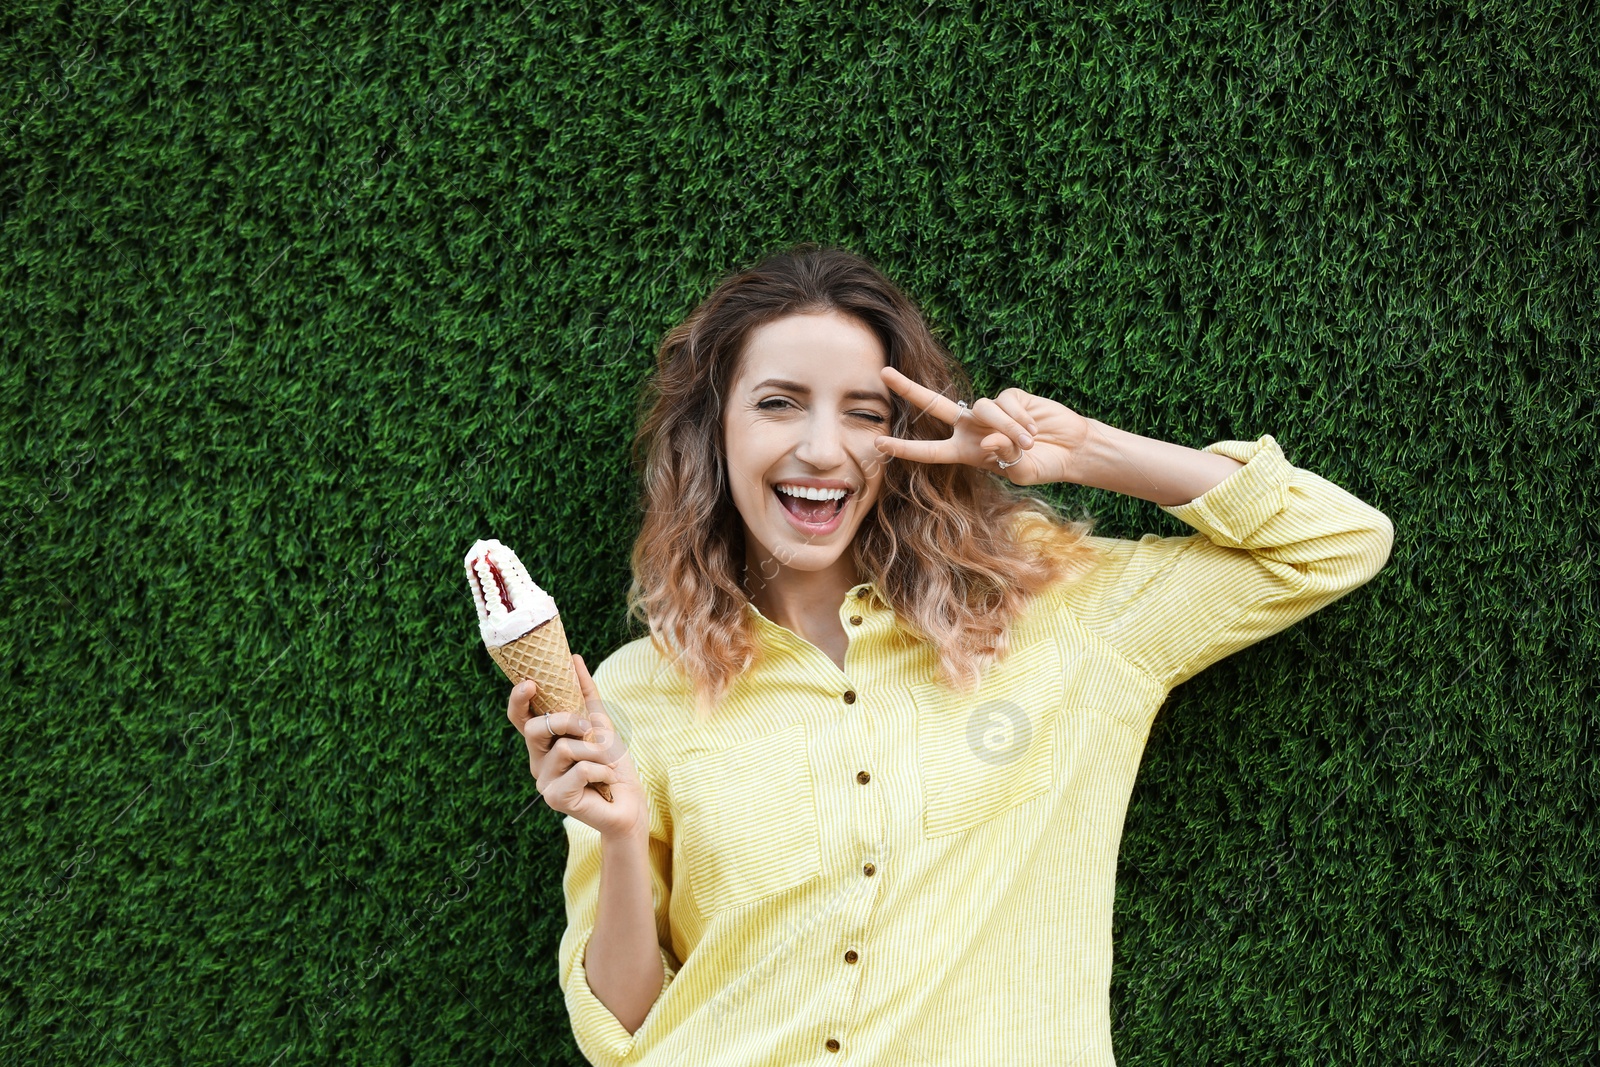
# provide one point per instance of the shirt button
(868, 870)
(832, 1045)
(863, 777)
(855, 620)
(851, 957)
(849, 696)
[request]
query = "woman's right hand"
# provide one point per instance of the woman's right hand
(563, 763)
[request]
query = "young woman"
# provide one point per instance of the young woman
(870, 766)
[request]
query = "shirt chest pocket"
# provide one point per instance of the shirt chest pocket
(981, 754)
(745, 818)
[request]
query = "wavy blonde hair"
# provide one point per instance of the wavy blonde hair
(941, 545)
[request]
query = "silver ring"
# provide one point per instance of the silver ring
(548, 727)
(962, 404)
(1004, 464)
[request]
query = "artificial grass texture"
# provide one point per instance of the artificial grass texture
(299, 300)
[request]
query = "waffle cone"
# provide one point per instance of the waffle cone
(542, 654)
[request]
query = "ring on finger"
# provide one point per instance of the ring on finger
(548, 727)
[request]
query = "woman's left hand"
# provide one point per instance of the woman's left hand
(992, 430)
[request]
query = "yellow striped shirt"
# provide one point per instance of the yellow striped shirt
(864, 863)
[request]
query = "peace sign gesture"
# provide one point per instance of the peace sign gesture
(1027, 438)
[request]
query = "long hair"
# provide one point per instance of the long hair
(942, 545)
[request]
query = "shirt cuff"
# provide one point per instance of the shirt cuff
(599, 1035)
(1231, 511)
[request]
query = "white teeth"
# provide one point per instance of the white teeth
(811, 494)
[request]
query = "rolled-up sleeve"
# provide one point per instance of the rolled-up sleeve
(1275, 544)
(599, 1035)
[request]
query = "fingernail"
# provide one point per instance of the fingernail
(1027, 442)
(583, 724)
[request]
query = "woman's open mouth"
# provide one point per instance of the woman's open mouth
(814, 516)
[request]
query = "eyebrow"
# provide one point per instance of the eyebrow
(796, 387)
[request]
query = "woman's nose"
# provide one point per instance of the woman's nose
(823, 444)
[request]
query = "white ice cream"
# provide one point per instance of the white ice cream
(530, 606)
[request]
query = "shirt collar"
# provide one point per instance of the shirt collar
(859, 594)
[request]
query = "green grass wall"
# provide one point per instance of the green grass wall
(298, 300)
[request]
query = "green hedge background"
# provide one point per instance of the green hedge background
(300, 299)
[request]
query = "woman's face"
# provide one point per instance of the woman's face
(804, 409)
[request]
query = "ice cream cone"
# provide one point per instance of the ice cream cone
(542, 654)
(522, 630)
